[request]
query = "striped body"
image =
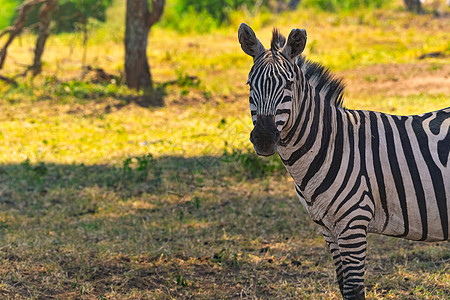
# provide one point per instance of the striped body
(354, 171)
(397, 167)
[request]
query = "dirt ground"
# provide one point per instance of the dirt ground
(398, 80)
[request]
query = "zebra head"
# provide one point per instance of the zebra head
(273, 84)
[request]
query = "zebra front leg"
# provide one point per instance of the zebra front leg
(336, 255)
(352, 247)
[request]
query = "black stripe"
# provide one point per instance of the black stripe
(352, 245)
(307, 115)
(435, 172)
(299, 192)
(443, 148)
(282, 111)
(395, 171)
(297, 154)
(286, 99)
(336, 160)
(286, 140)
(377, 165)
(318, 160)
(362, 163)
(414, 172)
(354, 207)
(359, 252)
(353, 236)
(350, 164)
(436, 123)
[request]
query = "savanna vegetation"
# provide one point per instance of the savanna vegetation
(104, 197)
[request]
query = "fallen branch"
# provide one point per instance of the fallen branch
(98, 75)
(432, 54)
(8, 80)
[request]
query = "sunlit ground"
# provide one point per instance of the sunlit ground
(87, 212)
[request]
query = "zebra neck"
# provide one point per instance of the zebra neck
(311, 134)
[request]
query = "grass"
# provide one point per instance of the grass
(103, 197)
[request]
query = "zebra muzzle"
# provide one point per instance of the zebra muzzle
(265, 135)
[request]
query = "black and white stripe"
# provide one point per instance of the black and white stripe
(355, 171)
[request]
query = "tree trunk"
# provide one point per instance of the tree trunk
(413, 5)
(138, 23)
(293, 4)
(44, 31)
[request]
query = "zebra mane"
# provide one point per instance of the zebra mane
(278, 41)
(325, 79)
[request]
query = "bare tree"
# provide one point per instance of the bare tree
(139, 20)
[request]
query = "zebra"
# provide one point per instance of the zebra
(354, 171)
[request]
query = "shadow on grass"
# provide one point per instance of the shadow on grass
(215, 227)
(135, 176)
(114, 95)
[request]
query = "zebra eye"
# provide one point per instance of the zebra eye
(250, 85)
(288, 85)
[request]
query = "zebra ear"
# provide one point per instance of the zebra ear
(249, 42)
(295, 43)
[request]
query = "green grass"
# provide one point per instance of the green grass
(103, 197)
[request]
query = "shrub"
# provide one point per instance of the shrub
(200, 15)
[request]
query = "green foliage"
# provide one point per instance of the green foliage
(7, 12)
(344, 5)
(205, 15)
(70, 15)
(200, 15)
(218, 9)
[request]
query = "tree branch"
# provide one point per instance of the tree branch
(156, 13)
(8, 80)
(16, 29)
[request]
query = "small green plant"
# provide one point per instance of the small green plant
(126, 169)
(37, 172)
(197, 202)
(181, 281)
(184, 80)
(222, 256)
(138, 167)
(251, 165)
